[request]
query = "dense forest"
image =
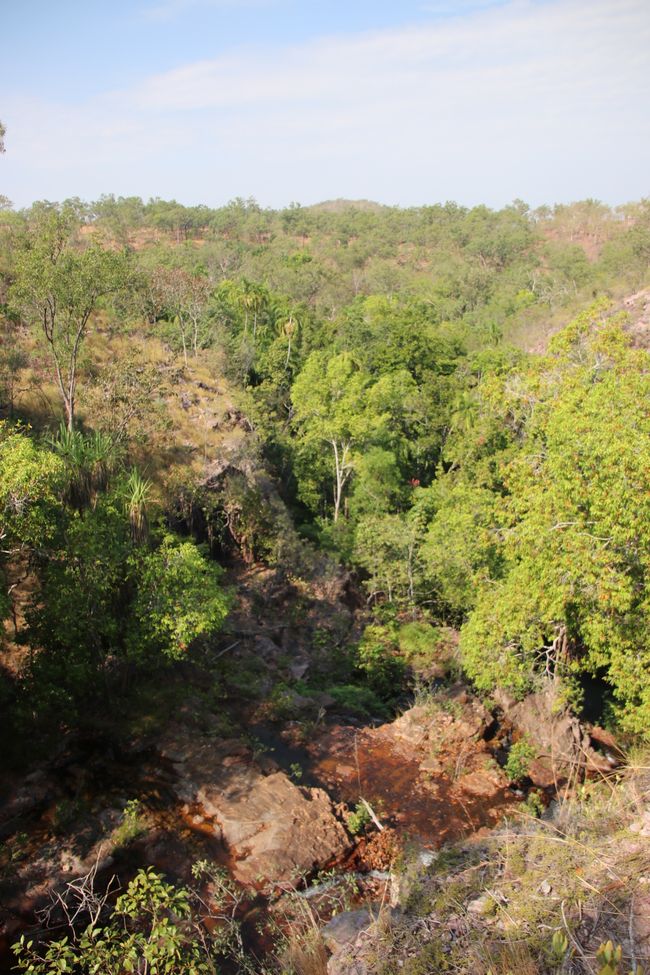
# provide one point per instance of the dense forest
(415, 441)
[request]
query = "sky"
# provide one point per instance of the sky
(400, 101)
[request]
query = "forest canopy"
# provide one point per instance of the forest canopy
(451, 403)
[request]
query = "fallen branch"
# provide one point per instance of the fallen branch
(226, 649)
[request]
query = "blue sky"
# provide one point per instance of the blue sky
(404, 102)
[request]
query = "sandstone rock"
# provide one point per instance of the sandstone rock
(35, 791)
(267, 649)
(362, 955)
(482, 906)
(274, 830)
(344, 962)
(298, 668)
(483, 782)
(457, 717)
(642, 825)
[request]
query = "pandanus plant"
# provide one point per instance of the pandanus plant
(90, 460)
(137, 500)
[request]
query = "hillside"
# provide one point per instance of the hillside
(326, 542)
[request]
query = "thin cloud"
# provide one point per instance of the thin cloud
(458, 8)
(541, 101)
(171, 9)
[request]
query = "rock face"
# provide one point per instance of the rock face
(274, 830)
(563, 745)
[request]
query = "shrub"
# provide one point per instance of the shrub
(150, 929)
(377, 660)
(519, 758)
(361, 701)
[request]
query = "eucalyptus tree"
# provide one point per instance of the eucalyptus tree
(58, 285)
(183, 297)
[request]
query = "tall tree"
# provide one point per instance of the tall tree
(332, 414)
(184, 297)
(57, 287)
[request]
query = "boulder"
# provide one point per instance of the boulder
(274, 830)
(454, 716)
(484, 782)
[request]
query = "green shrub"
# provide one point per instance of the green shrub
(519, 758)
(150, 929)
(358, 819)
(132, 824)
(361, 701)
(377, 661)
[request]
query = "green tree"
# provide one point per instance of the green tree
(31, 479)
(331, 415)
(573, 524)
(179, 597)
(57, 287)
(183, 297)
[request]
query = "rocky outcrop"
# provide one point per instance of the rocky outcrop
(274, 830)
(455, 716)
(562, 745)
(430, 772)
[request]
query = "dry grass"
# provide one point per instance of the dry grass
(304, 954)
(536, 897)
(510, 958)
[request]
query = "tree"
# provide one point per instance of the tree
(179, 598)
(184, 297)
(3, 132)
(329, 398)
(31, 479)
(57, 287)
(386, 546)
(565, 590)
(124, 398)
